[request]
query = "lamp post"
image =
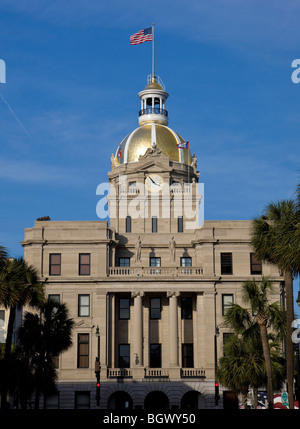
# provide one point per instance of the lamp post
(98, 367)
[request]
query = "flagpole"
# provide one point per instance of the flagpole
(153, 51)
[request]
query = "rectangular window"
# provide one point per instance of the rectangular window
(180, 224)
(226, 263)
(132, 188)
(128, 224)
(124, 262)
(186, 262)
(154, 262)
(255, 265)
(154, 224)
(54, 264)
(83, 351)
(82, 400)
(56, 361)
(51, 402)
(155, 355)
(84, 264)
(124, 356)
(227, 300)
(54, 298)
(155, 308)
(187, 356)
(186, 307)
(124, 308)
(83, 305)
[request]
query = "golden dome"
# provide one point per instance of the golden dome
(153, 85)
(138, 141)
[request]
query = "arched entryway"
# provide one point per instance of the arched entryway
(156, 400)
(189, 401)
(120, 401)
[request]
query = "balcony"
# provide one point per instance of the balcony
(155, 271)
(155, 110)
(119, 373)
(192, 373)
(156, 373)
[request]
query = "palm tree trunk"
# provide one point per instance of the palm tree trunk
(288, 278)
(255, 397)
(266, 351)
(244, 398)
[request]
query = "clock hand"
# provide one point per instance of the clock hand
(153, 181)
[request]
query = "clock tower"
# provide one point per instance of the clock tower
(153, 177)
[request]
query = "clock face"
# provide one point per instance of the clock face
(154, 183)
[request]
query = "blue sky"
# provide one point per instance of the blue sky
(70, 97)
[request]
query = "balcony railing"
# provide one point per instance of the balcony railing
(192, 373)
(154, 271)
(119, 373)
(157, 373)
(155, 110)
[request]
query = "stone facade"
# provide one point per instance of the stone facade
(109, 288)
(153, 283)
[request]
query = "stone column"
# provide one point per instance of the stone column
(137, 340)
(173, 328)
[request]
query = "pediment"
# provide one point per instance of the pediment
(154, 167)
(83, 324)
(154, 160)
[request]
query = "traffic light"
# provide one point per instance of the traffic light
(97, 373)
(98, 392)
(217, 396)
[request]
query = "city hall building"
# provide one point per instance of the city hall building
(147, 290)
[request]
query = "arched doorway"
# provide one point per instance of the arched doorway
(156, 400)
(120, 401)
(189, 401)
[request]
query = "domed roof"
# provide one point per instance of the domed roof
(154, 85)
(138, 141)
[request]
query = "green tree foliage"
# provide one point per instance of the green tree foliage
(42, 338)
(250, 357)
(275, 238)
(19, 286)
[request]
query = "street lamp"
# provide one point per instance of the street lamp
(98, 367)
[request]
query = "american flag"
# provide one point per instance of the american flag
(141, 36)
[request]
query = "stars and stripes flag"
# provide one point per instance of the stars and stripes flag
(183, 145)
(141, 36)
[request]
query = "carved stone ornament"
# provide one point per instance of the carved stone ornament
(151, 151)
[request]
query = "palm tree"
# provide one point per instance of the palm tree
(18, 287)
(273, 240)
(241, 366)
(253, 326)
(42, 338)
(3, 256)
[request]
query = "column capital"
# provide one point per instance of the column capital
(173, 293)
(136, 293)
